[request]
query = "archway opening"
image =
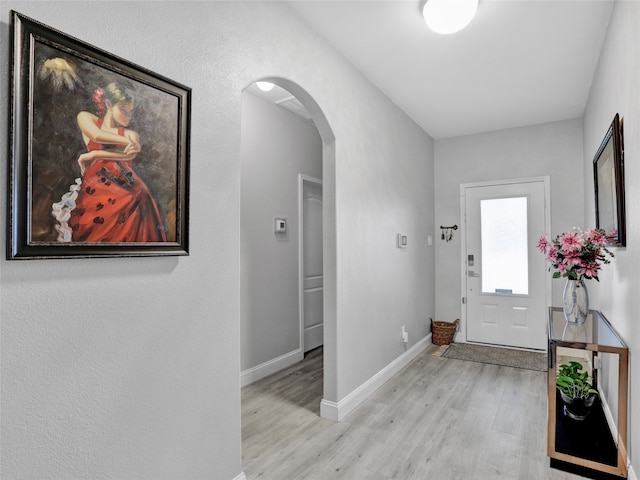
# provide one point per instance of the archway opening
(271, 230)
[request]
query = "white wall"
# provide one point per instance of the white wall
(615, 90)
(382, 188)
(277, 145)
(553, 149)
(129, 368)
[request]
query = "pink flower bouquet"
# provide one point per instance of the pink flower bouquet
(577, 254)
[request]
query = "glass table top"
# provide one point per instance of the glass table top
(596, 331)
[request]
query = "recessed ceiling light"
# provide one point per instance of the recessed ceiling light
(449, 16)
(264, 86)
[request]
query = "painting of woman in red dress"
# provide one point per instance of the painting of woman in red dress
(110, 203)
(100, 164)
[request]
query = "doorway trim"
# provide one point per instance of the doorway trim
(462, 335)
(302, 179)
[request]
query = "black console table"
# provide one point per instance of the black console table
(596, 446)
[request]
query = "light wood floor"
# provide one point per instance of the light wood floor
(438, 419)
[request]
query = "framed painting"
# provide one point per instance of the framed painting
(99, 152)
(608, 176)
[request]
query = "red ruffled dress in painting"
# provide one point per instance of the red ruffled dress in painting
(114, 205)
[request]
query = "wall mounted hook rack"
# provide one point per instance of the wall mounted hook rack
(448, 232)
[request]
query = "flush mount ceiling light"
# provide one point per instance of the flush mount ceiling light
(449, 16)
(264, 86)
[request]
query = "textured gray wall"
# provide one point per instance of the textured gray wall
(129, 368)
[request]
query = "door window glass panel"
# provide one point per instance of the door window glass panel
(505, 259)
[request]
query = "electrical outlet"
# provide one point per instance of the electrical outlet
(404, 335)
(597, 362)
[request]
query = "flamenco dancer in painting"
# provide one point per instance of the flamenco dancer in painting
(110, 203)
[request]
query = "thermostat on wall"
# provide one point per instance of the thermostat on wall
(281, 225)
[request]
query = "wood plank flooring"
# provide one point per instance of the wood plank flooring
(437, 419)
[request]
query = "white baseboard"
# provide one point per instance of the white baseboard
(607, 414)
(242, 476)
(329, 410)
(614, 428)
(337, 411)
(272, 366)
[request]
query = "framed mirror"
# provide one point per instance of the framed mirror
(608, 174)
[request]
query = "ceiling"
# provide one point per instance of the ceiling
(282, 98)
(519, 62)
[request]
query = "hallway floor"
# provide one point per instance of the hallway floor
(438, 419)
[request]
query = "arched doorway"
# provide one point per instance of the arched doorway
(254, 368)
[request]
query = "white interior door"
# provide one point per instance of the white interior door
(506, 277)
(312, 273)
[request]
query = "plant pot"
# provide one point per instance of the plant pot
(577, 408)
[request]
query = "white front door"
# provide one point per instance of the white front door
(505, 275)
(312, 271)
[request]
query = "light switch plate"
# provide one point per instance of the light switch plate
(402, 241)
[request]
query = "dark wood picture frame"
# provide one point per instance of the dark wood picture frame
(56, 80)
(608, 177)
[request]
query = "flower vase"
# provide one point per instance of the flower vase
(575, 302)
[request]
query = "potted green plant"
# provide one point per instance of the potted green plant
(576, 390)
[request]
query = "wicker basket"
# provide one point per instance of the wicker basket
(442, 332)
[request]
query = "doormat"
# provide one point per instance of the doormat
(506, 357)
